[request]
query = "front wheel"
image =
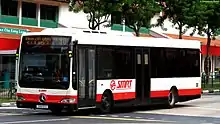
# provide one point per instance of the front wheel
(106, 103)
(172, 98)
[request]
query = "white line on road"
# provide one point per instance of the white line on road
(35, 121)
(122, 119)
(206, 108)
(178, 114)
(8, 114)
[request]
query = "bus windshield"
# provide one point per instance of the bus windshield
(44, 62)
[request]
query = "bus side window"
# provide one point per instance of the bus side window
(138, 58)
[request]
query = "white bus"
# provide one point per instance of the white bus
(66, 69)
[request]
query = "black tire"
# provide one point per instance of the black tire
(172, 98)
(106, 104)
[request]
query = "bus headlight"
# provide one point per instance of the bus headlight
(68, 100)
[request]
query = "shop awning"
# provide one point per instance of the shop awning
(214, 50)
(9, 44)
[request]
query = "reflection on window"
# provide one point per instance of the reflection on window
(82, 73)
(45, 70)
(48, 12)
(29, 10)
(9, 7)
(115, 62)
(172, 62)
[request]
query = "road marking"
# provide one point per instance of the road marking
(35, 121)
(206, 108)
(178, 114)
(127, 116)
(8, 114)
(114, 115)
(122, 119)
(25, 112)
(138, 117)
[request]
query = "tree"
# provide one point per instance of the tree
(98, 10)
(179, 12)
(138, 13)
(207, 22)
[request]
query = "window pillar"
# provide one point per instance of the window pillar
(38, 14)
(20, 11)
(0, 7)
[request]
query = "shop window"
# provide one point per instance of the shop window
(7, 70)
(48, 12)
(29, 10)
(9, 7)
(116, 18)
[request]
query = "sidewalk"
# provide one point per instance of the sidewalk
(8, 104)
(211, 91)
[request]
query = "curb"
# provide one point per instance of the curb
(211, 91)
(9, 104)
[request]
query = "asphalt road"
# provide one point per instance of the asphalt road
(202, 111)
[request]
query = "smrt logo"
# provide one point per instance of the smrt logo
(112, 85)
(121, 84)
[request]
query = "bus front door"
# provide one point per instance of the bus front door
(142, 74)
(86, 76)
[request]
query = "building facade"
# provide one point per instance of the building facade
(19, 16)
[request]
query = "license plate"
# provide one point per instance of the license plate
(42, 106)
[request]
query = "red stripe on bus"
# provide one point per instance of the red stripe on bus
(181, 92)
(118, 96)
(49, 98)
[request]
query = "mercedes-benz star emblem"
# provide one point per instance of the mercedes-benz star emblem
(42, 98)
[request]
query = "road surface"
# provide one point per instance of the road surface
(202, 111)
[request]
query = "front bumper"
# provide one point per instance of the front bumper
(33, 105)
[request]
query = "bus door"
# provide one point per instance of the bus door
(142, 74)
(86, 77)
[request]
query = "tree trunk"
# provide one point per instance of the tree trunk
(137, 33)
(180, 31)
(207, 66)
(93, 20)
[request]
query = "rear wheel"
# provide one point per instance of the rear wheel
(106, 103)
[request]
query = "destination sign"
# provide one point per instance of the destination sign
(46, 40)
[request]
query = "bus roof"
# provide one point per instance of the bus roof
(90, 37)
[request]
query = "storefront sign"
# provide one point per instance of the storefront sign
(12, 30)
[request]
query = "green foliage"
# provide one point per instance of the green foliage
(207, 18)
(98, 10)
(207, 22)
(138, 13)
(179, 12)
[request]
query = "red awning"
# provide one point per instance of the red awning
(9, 44)
(214, 50)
